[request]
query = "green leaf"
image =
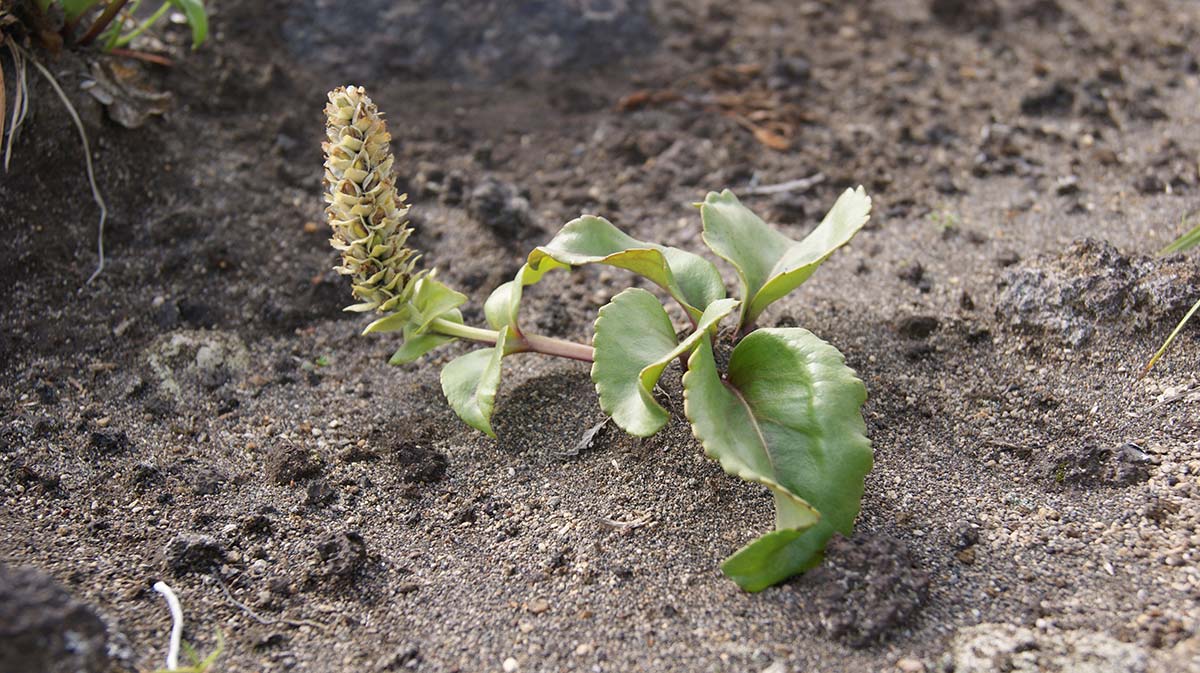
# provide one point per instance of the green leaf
(416, 346)
(470, 383)
(417, 343)
(788, 416)
(430, 301)
(769, 264)
(503, 304)
(690, 279)
(634, 342)
(1187, 241)
(72, 9)
(391, 322)
(197, 18)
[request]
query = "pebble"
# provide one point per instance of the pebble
(538, 605)
(910, 665)
(510, 665)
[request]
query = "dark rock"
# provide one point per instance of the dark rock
(46, 394)
(258, 525)
(965, 535)
(109, 442)
(966, 14)
(191, 553)
(340, 556)
(44, 629)
(944, 184)
(788, 72)
(867, 587)
(1056, 100)
(1067, 185)
(1150, 184)
(288, 463)
(319, 493)
(206, 481)
(917, 326)
(1091, 285)
(502, 209)
(912, 273)
(145, 476)
(1091, 464)
(1007, 258)
(965, 302)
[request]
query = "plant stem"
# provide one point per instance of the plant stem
(127, 38)
(528, 343)
(110, 12)
(533, 343)
(455, 329)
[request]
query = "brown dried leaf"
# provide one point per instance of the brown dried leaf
(127, 100)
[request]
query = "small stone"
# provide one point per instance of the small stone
(510, 665)
(965, 556)
(1057, 99)
(538, 605)
(1007, 258)
(1150, 184)
(910, 665)
(583, 649)
(1067, 185)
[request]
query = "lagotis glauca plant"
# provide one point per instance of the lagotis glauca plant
(784, 411)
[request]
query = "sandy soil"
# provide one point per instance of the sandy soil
(203, 413)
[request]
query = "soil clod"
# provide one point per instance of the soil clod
(43, 628)
(288, 463)
(339, 557)
(192, 553)
(867, 588)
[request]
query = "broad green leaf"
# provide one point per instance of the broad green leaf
(416, 346)
(769, 264)
(503, 305)
(197, 18)
(690, 279)
(788, 416)
(470, 383)
(417, 343)
(634, 342)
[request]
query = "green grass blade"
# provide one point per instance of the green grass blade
(1185, 242)
(1174, 333)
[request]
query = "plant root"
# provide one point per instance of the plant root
(87, 156)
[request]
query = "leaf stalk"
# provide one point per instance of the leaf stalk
(525, 343)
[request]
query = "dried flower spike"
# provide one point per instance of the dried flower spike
(364, 211)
